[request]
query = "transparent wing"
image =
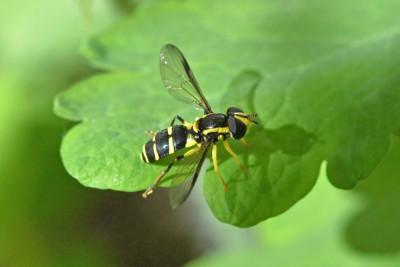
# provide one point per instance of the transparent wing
(186, 175)
(178, 78)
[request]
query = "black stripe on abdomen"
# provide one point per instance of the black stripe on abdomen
(162, 143)
(179, 136)
(148, 148)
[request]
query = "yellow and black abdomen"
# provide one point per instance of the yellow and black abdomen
(164, 143)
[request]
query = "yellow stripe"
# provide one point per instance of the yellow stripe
(154, 139)
(207, 115)
(213, 130)
(187, 125)
(246, 121)
(156, 156)
(169, 130)
(190, 141)
(216, 130)
(195, 129)
(144, 153)
(171, 145)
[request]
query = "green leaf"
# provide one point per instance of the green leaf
(375, 227)
(313, 227)
(103, 152)
(329, 92)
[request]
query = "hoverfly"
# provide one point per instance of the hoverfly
(205, 132)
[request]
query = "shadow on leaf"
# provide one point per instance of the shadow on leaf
(280, 169)
(376, 228)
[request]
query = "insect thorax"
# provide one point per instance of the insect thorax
(213, 126)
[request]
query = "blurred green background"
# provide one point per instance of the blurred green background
(49, 219)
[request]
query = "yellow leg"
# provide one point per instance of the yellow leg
(245, 143)
(228, 148)
(151, 133)
(214, 158)
(151, 188)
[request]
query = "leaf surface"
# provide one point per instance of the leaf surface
(323, 78)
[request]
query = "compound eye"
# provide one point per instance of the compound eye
(232, 110)
(236, 127)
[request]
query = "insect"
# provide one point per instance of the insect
(199, 136)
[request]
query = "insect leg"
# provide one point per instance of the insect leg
(245, 143)
(185, 123)
(214, 158)
(228, 148)
(151, 133)
(179, 118)
(151, 188)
